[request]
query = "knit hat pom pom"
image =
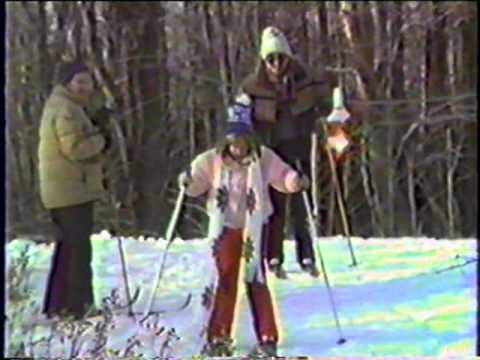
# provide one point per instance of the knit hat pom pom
(239, 121)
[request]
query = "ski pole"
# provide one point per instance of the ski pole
(111, 104)
(339, 115)
(313, 231)
(125, 276)
(313, 167)
(123, 263)
(340, 200)
(169, 239)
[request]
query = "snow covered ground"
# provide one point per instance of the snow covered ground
(408, 297)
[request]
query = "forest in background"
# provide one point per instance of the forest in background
(175, 66)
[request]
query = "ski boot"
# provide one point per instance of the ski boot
(262, 350)
(275, 267)
(222, 347)
(309, 267)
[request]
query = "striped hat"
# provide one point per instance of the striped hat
(239, 121)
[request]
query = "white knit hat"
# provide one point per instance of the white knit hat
(274, 41)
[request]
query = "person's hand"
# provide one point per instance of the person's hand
(338, 140)
(301, 182)
(111, 103)
(304, 182)
(184, 179)
(101, 116)
(100, 120)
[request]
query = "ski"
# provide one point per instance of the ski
(115, 309)
(314, 273)
(110, 311)
(182, 306)
(120, 311)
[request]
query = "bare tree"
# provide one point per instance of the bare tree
(174, 67)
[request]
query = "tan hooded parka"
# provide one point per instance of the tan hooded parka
(70, 160)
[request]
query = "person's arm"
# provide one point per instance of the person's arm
(280, 175)
(75, 142)
(198, 179)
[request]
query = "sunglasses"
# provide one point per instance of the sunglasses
(276, 59)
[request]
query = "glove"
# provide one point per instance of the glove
(185, 179)
(100, 120)
(304, 182)
(301, 182)
(101, 116)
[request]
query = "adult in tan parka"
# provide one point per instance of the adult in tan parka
(70, 169)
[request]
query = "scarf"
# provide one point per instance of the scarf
(252, 231)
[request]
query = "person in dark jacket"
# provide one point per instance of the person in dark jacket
(288, 98)
(70, 169)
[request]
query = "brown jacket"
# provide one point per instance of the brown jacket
(284, 117)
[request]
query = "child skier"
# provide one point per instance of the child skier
(236, 175)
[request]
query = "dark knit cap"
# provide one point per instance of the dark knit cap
(68, 70)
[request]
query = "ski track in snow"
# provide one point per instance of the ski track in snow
(394, 303)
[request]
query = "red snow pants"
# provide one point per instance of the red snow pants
(228, 255)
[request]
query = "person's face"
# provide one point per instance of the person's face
(277, 64)
(81, 85)
(239, 148)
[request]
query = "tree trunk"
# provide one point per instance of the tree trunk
(221, 13)
(151, 170)
(356, 24)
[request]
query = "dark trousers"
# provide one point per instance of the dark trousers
(299, 222)
(69, 287)
(228, 255)
(298, 213)
(298, 219)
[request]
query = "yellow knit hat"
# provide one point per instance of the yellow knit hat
(274, 41)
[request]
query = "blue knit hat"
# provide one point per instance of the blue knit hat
(238, 129)
(239, 121)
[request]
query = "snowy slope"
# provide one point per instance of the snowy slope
(406, 297)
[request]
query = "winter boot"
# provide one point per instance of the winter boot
(275, 267)
(219, 348)
(309, 267)
(262, 350)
